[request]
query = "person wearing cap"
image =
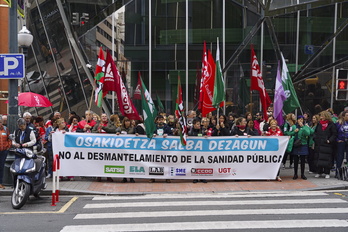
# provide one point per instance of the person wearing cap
(300, 148)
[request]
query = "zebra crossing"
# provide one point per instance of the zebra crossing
(213, 211)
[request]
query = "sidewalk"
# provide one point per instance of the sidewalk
(89, 185)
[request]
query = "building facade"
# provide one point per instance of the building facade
(162, 39)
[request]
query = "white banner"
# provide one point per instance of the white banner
(109, 155)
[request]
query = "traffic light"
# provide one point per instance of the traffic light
(75, 18)
(84, 19)
(341, 84)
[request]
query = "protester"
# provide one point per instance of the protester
(196, 130)
(104, 125)
(300, 146)
(4, 120)
(289, 130)
(5, 144)
(342, 140)
(251, 127)
(310, 159)
(324, 139)
(126, 127)
(240, 128)
(87, 124)
(62, 128)
(24, 135)
(274, 130)
(73, 123)
(257, 122)
(222, 128)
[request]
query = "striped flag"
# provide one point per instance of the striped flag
(99, 78)
(180, 114)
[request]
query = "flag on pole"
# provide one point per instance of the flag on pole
(180, 114)
(204, 64)
(137, 91)
(291, 103)
(149, 111)
(99, 78)
(208, 79)
(257, 83)
(279, 98)
(124, 102)
(110, 78)
(219, 96)
(160, 106)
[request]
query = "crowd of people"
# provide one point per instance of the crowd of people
(320, 140)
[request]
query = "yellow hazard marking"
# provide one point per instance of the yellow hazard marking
(340, 194)
(62, 210)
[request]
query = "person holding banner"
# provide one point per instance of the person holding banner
(104, 125)
(163, 130)
(274, 130)
(196, 130)
(87, 124)
(241, 129)
(222, 127)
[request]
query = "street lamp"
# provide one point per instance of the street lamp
(25, 38)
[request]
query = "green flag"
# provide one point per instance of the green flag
(149, 111)
(160, 106)
(291, 103)
(219, 85)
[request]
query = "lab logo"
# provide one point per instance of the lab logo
(114, 169)
(202, 171)
(159, 171)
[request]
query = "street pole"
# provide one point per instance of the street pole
(13, 83)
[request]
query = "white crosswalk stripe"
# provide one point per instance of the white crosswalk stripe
(190, 212)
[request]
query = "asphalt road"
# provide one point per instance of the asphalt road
(238, 211)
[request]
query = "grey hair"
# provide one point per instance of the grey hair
(26, 114)
(21, 121)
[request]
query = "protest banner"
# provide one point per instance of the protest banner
(119, 156)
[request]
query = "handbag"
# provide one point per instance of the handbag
(297, 143)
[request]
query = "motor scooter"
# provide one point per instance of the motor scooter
(29, 175)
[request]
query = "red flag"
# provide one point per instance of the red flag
(257, 83)
(204, 61)
(137, 91)
(207, 82)
(124, 102)
(109, 78)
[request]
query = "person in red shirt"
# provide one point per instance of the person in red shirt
(274, 129)
(5, 144)
(87, 124)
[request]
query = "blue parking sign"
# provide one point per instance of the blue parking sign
(12, 66)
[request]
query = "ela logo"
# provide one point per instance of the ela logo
(137, 170)
(114, 169)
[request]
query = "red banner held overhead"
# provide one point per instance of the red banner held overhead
(124, 102)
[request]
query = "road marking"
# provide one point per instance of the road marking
(217, 195)
(212, 213)
(216, 225)
(62, 210)
(205, 203)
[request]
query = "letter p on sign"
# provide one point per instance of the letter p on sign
(12, 66)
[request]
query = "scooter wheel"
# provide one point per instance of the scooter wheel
(21, 197)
